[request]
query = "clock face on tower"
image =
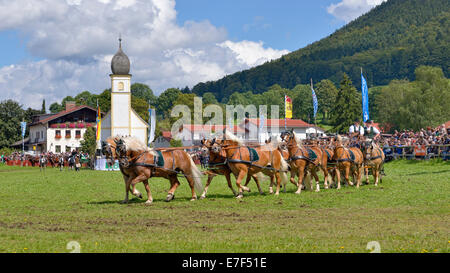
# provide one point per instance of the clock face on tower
(121, 86)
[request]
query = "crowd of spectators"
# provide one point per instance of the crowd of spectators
(406, 142)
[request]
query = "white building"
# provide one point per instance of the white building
(60, 132)
(122, 119)
(248, 130)
(274, 127)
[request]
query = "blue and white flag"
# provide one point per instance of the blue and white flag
(152, 122)
(315, 103)
(23, 126)
(365, 98)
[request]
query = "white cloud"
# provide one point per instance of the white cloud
(76, 39)
(251, 53)
(347, 10)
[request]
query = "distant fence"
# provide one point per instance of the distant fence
(417, 152)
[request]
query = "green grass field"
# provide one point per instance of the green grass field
(408, 212)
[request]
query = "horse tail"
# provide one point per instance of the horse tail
(284, 168)
(197, 176)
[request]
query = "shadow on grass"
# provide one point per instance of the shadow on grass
(421, 173)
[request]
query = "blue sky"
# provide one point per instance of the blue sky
(282, 24)
(53, 48)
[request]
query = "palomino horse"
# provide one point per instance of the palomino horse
(279, 144)
(146, 163)
(270, 162)
(303, 161)
(109, 150)
(348, 160)
(217, 165)
(42, 163)
(374, 159)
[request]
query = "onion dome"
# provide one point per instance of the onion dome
(120, 64)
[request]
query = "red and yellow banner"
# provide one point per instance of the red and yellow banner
(288, 106)
(99, 124)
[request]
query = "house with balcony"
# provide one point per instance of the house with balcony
(60, 132)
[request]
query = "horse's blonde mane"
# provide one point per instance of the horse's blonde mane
(230, 136)
(298, 140)
(134, 144)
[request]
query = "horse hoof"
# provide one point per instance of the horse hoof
(170, 197)
(193, 199)
(124, 202)
(202, 197)
(149, 202)
(240, 196)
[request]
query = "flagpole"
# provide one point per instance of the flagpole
(285, 126)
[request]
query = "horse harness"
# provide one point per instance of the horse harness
(154, 166)
(349, 154)
(375, 157)
(302, 156)
(240, 160)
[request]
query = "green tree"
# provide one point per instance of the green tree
(104, 100)
(326, 93)
(11, 114)
(141, 107)
(347, 107)
(143, 92)
(43, 110)
(302, 103)
(86, 98)
(89, 144)
(55, 108)
(166, 100)
(415, 105)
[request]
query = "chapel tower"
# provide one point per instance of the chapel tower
(120, 93)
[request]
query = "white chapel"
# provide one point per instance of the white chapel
(122, 119)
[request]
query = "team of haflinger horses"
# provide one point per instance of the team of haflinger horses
(229, 155)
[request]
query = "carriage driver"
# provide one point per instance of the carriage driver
(356, 130)
(371, 131)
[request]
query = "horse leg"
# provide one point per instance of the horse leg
(316, 178)
(228, 177)
(205, 190)
(325, 176)
(241, 176)
(347, 175)
(278, 177)
(300, 174)
(127, 181)
(338, 177)
(191, 184)
(292, 179)
(149, 193)
(366, 174)
(134, 181)
(255, 177)
(376, 174)
(272, 182)
(174, 185)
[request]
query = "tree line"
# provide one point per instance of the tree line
(401, 104)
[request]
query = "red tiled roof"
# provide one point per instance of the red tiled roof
(280, 122)
(447, 124)
(65, 112)
(198, 128)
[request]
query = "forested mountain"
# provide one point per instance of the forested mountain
(389, 42)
